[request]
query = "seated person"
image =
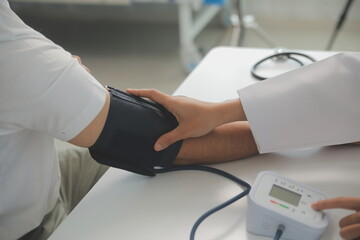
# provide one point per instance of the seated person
(47, 94)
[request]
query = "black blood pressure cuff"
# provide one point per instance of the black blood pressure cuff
(127, 140)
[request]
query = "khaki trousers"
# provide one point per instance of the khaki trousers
(79, 173)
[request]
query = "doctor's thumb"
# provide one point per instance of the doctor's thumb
(167, 139)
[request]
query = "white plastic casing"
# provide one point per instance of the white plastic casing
(265, 213)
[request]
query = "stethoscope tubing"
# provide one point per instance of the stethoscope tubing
(288, 55)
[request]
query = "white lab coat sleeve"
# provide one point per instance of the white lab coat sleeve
(316, 105)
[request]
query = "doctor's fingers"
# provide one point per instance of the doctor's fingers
(169, 138)
(186, 129)
(152, 94)
(351, 232)
(183, 131)
(350, 220)
(350, 203)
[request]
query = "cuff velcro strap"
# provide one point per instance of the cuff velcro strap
(127, 140)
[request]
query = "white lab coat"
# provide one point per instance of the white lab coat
(316, 105)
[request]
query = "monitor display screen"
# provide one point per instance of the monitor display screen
(285, 195)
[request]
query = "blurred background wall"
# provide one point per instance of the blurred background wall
(138, 45)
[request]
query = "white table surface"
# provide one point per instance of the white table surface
(127, 206)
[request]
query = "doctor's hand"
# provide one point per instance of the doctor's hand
(349, 225)
(196, 118)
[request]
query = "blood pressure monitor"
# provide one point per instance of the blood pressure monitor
(275, 200)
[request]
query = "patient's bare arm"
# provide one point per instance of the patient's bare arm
(90, 134)
(225, 143)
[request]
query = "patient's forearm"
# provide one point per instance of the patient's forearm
(225, 143)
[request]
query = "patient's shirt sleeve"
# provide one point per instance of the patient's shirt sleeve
(317, 105)
(43, 88)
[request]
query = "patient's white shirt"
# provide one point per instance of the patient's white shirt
(44, 94)
(316, 105)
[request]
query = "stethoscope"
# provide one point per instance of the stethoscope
(280, 55)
